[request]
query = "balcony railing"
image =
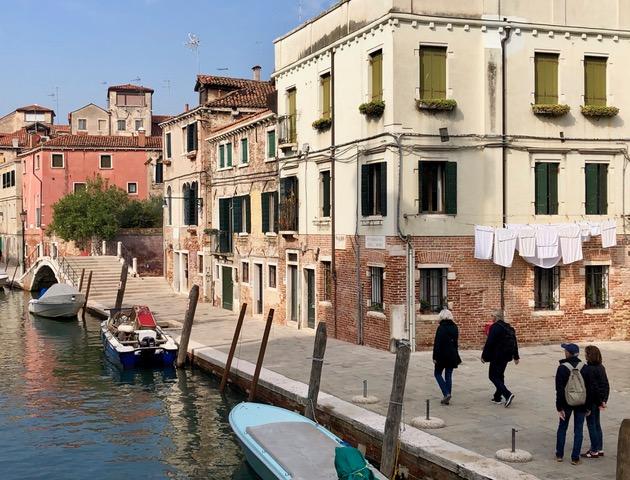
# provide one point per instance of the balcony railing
(287, 130)
(224, 241)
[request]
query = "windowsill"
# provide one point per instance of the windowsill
(243, 165)
(191, 155)
(597, 311)
(223, 169)
(325, 303)
(269, 160)
(429, 317)
(288, 233)
(243, 235)
(547, 313)
(372, 221)
(322, 222)
(285, 146)
(375, 314)
(271, 234)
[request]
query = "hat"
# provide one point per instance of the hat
(572, 348)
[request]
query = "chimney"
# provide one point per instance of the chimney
(142, 138)
(186, 107)
(256, 70)
(15, 142)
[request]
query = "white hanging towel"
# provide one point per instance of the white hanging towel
(547, 241)
(570, 243)
(585, 231)
(527, 242)
(596, 228)
(543, 262)
(484, 239)
(504, 246)
(609, 234)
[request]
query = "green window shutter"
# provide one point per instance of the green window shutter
(382, 183)
(450, 188)
(276, 211)
(542, 205)
(264, 200)
(271, 144)
(194, 136)
(552, 187)
(420, 193)
(224, 214)
(221, 156)
(432, 73)
(248, 213)
(237, 214)
(326, 194)
(376, 66)
(366, 207)
(228, 147)
(595, 89)
(244, 151)
(603, 189)
(591, 172)
(546, 65)
(325, 85)
(168, 145)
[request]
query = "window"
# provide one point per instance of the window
(325, 91)
(79, 187)
(433, 295)
(228, 151)
(200, 263)
(245, 272)
(34, 117)
(376, 295)
(57, 160)
(595, 81)
(159, 171)
(374, 189)
(432, 73)
(132, 188)
(327, 276)
(38, 217)
(189, 192)
(596, 188)
(269, 202)
(289, 204)
(324, 193)
(546, 66)
(105, 162)
(292, 113)
(8, 179)
(271, 279)
(102, 125)
(82, 124)
(546, 288)
(244, 151)
(169, 205)
(190, 137)
(271, 144)
(36, 162)
(130, 100)
(546, 188)
(169, 145)
(121, 125)
(139, 123)
(596, 286)
(225, 225)
(241, 213)
(376, 76)
(438, 187)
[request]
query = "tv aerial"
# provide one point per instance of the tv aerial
(193, 44)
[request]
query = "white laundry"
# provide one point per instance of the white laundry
(547, 241)
(543, 262)
(570, 243)
(484, 239)
(526, 242)
(504, 246)
(585, 231)
(609, 234)
(596, 228)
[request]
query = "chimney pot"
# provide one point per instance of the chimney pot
(142, 138)
(256, 71)
(186, 107)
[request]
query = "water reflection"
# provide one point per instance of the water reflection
(65, 412)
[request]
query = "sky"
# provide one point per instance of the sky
(79, 47)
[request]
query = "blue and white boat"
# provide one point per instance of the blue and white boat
(280, 444)
(132, 338)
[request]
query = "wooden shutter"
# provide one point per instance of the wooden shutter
(552, 187)
(376, 70)
(432, 73)
(228, 147)
(595, 81)
(591, 173)
(326, 194)
(292, 104)
(450, 188)
(366, 207)
(221, 156)
(244, 151)
(237, 214)
(325, 85)
(383, 188)
(264, 200)
(194, 136)
(546, 65)
(186, 202)
(602, 196)
(248, 213)
(168, 146)
(276, 211)
(541, 189)
(271, 144)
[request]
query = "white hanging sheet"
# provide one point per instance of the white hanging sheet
(504, 246)
(609, 234)
(570, 243)
(547, 242)
(484, 240)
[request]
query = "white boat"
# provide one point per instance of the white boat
(60, 300)
(4, 278)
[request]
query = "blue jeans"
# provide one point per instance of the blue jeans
(446, 382)
(578, 432)
(595, 429)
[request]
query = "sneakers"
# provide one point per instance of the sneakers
(446, 400)
(509, 401)
(576, 461)
(496, 402)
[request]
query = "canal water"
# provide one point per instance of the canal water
(67, 413)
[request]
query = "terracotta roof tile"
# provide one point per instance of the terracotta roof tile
(6, 139)
(33, 108)
(102, 141)
(128, 87)
(240, 121)
(242, 92)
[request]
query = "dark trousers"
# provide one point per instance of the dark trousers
(496, 374)
(593, 422)
(578, 432)
(446, 382)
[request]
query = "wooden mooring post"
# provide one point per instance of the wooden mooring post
(81, 279)
(261, 356)
(237, 334)
(121, 286)
(14, 273)
(389, 453)
(182, 352)
(87, 293)
(319, 350)
(623, 451)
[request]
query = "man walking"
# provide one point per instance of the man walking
(500, 349)
(571, 397)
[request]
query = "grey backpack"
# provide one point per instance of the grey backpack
(575, 390)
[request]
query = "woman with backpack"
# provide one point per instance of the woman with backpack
(598, 389)
(446, 354)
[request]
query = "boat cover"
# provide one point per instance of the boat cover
(145, 318)
(351, 465)
(304, 451)
(59, 293)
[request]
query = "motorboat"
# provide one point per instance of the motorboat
(4, 278)
(59, 301)
(132, 338)
(281, 444)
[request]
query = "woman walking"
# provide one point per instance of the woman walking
(598, 389)
(446, 354)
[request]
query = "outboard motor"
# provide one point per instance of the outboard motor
(147, 338)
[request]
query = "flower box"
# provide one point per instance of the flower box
(372, 110)
(322, 124)
(599, 111)
(437, 104)
(550, 110)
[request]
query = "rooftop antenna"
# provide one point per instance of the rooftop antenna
(167, 85)
(223, 69)
(193, 44)
(300, 11)
(137, 79)
(55, 95)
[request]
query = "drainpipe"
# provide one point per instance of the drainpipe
(41, 192)
(504, 145)
(357, 238)
(333, 262)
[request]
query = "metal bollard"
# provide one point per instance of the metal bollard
(365, 389)
(514, 430)
(428, 409)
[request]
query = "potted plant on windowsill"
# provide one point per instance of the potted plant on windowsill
(599, 111)
(550, 110)
(322, 124)
(372, 110)
(437, 104)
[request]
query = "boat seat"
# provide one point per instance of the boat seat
(303, 451)
(126, 328)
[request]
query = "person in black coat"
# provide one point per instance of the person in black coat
(446, 354)
(598, 389)
(500, 349)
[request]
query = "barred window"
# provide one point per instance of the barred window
(597, 286)
(433, 294)
(547, 288)
(327, 275)
(376, 298)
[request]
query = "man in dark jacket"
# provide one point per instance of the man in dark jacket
(571, 361)
(500, 349)
(446, 354)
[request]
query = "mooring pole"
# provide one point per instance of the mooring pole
(389, 455)
(319, 350)
(87, 292)
(261, 356)
(81, 279)
(237, 334)
(182, 351)
(121, 286)
(623, 450)
(14, 273)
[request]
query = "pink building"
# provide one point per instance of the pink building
(63, 165)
